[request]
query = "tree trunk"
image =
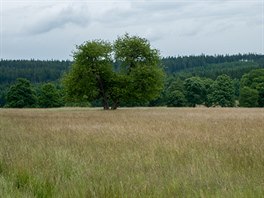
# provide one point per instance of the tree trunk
(106, 107)
(105, 104)
(103, 94)
(115, 105)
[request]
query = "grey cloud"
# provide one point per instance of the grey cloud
(140, 13)
(52, 28)
(59, 19)
(160, 6)
(153, 12)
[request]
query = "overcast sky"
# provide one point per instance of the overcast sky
(51, 29)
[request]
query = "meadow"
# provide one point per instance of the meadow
(136, 152)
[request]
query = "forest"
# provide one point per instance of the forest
(220, 80)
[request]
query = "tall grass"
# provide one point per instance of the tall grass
(159, 152)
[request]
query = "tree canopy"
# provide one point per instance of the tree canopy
(92, 76)
(21, 94)
(255, 81)
(222, 92)
(195, 91)
(248, 97)
(126, 76)
(49, 96)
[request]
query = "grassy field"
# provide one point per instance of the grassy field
(145, 152)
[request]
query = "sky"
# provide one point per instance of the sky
(33, 29)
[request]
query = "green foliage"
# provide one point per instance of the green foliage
(232, 69)
(91, 73)
(140, 70)
(36, 71)
(205, 64)
(127, 53)
(195, 91)
(207, 84)
(261, 95)
(255, 80)
(236, 84)
(133, 51)
(175, 84)
(49, 96)
(175, 93)
(3, 91)
(222, 92)
(146, 83)
(93, 77)
(21, 94)
(176, 99)
(248, 97)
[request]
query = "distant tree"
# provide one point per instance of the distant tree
(36, 71)
(195, 91)
(236, 84)
(49, 96)
(21, 94)
(222, 92)
(212, 66)
(3, 90)
(176, 84)
(176, 99)
(207, 84)
(255, 80)
(261, 95)
(93, 75)
(248, 97)
(175, 94)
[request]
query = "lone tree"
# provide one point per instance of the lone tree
(138, 76)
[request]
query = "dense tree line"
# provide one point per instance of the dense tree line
(22, 94)
(211, 81)
(223, 91)
(36, 71)
(177, 64)
(190, 92)
(232, 69)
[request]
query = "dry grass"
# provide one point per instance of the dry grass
(146, 152)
